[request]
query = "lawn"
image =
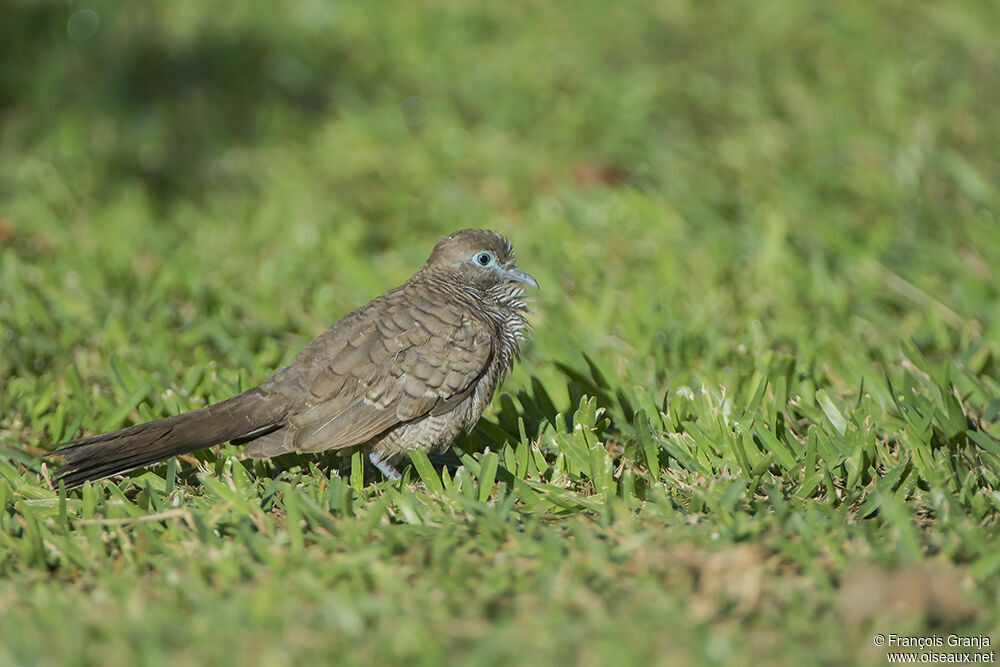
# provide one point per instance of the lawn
(758, 420)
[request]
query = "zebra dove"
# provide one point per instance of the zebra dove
(411, 369)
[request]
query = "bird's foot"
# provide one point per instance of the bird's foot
(384, 467)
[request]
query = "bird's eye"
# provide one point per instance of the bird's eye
(483, 258)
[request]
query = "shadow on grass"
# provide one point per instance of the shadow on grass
(167, 105)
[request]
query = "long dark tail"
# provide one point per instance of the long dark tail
(100, 456)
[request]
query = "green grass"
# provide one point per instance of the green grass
(758, 420)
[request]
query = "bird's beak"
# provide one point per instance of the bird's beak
(516, 275)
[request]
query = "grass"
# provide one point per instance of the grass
(757, 420)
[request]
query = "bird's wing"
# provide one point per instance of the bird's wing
(399, 358)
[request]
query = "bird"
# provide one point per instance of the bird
(411, 369)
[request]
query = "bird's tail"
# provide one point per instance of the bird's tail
(106, 454)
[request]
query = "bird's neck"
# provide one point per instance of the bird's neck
(506, 311)
(502, 306)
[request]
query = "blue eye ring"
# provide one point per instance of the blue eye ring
(483, 258)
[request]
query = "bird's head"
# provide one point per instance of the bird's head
(480, 259)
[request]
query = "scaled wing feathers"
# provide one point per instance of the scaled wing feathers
(402, 361)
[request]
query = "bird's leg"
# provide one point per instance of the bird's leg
(384, 467)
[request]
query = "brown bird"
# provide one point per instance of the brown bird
(409, 370)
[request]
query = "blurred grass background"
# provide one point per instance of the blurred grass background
(727, 205)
